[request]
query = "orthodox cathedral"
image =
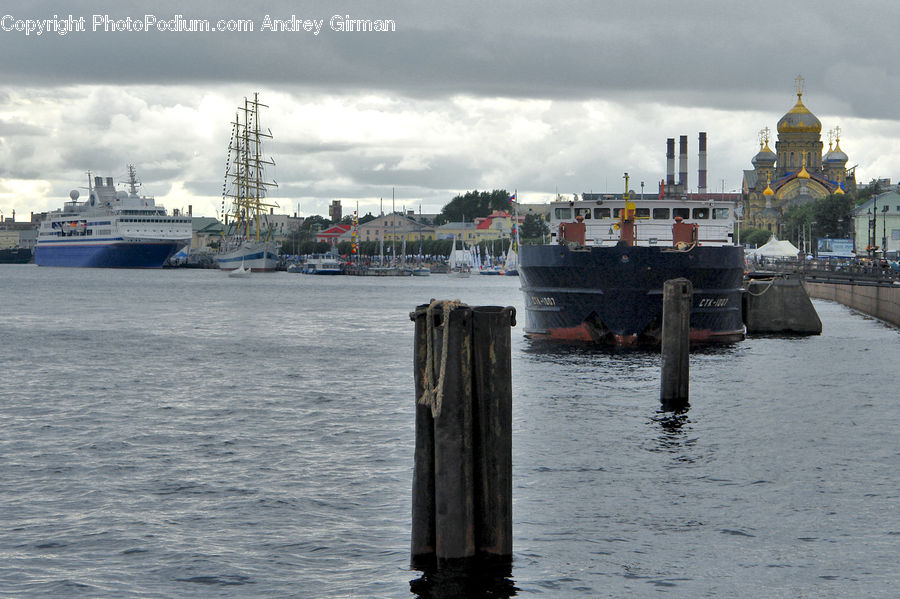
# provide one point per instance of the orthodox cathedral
(797, 172)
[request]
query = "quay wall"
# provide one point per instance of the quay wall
(880, 301)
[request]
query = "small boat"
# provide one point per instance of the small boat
(460, 262)
(325, 264)
(240, 271)
(421, 272)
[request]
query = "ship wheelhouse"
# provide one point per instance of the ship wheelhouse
(653, 219)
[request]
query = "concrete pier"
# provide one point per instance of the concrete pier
(779, 305)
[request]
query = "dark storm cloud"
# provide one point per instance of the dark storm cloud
(696, 53)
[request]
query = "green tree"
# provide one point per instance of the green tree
(471, 205)
(795, 223)
(755, 237)
(315, 223)
(865, 194)
(533, 228)
(829, 217)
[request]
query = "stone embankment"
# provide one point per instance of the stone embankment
(870, 287)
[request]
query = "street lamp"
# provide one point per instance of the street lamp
(811, 248)
(870, 245)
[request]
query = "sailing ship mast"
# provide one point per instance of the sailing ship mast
(246, 168)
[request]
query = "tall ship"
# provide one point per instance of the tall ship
(600, 279)
(248, 239)
(110, 229)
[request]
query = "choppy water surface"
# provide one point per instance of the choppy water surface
(183, 434)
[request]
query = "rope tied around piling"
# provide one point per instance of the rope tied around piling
(433, 393)
(771, 282)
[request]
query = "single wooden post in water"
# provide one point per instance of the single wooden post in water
(462, 482)
(678, 297)
(493, 430)
(423, 531)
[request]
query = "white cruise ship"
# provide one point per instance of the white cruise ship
(111, 229)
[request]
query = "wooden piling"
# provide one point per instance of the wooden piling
(493, 430)
(423, 531)
(462, 480)
(676, 326)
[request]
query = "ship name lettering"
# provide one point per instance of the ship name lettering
(537, 300)
(711, 302)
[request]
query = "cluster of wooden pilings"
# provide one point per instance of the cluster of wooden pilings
(462, 481)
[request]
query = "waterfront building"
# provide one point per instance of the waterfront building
(462, 231)
(204, 230)
(17, 234)
(333, 234)
(278, 226)
(797, 172)
(393, 227)
(539, 210)
(498, 224)
(877, 223)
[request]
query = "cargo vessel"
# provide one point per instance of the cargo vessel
(600, 279)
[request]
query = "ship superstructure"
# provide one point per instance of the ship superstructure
(111, 228)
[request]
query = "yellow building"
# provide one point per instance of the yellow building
(393, 227)
(797, 172)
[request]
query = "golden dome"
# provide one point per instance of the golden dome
(838, 192)
(768, 191)
(799, 119)
(803, 174)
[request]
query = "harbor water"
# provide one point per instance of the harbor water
(180, 433)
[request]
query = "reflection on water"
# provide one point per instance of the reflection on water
(673, 436)
(469, 579)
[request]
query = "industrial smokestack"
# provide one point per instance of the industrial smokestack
(682, 163)
(701, 169)
(670, 162)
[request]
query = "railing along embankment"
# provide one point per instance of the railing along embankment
(867, 288)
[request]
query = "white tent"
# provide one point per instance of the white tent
(775, 249)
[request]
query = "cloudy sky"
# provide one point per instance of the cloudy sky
(541, 97)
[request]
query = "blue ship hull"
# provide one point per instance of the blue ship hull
(613, 295)
(111, 254)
